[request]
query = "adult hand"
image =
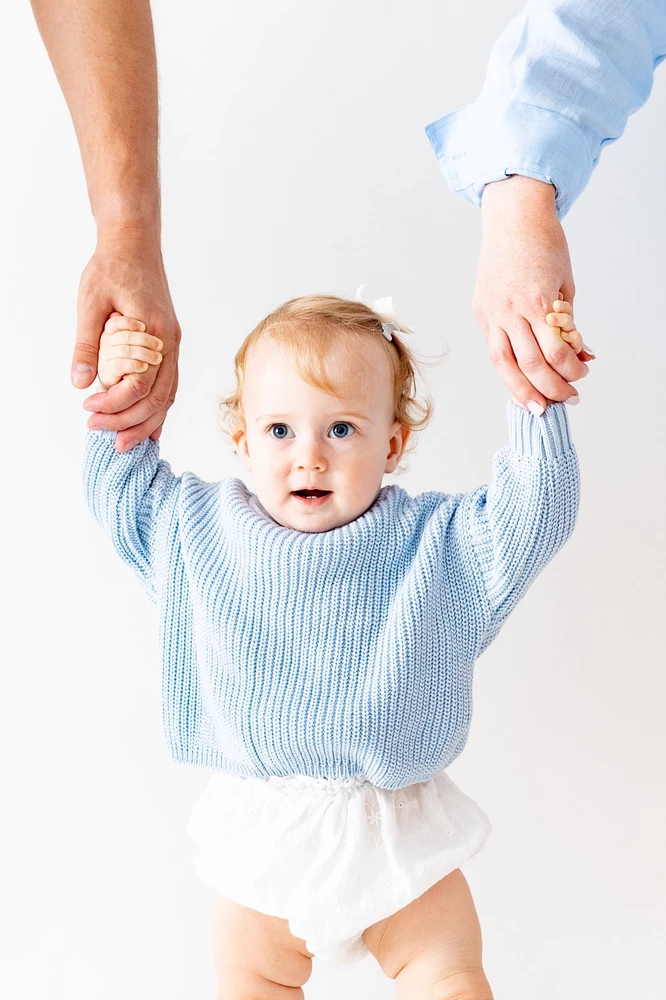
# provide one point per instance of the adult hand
(126, 274)
(103, 55)
(523, 268)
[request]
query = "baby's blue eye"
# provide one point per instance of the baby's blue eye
(281, 427)
(342, 424)
(282, 431)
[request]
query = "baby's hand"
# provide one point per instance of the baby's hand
(124, 349)
(561, 317)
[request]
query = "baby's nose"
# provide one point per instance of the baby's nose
(311, 455)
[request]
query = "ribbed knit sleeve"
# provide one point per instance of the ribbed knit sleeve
(132, 495)
(526, 514)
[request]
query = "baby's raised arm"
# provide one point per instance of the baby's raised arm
(133, 495)
(513, 527)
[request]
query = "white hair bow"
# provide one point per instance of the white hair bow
(384, 307)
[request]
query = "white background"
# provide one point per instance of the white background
(294, 160)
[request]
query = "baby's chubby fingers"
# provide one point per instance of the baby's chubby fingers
(114, 345)
(110, 352)
(562, 318)
(124, 337)
(567, 328)
(125, 349)
(117, 321)
(562, 306)
(114, 368)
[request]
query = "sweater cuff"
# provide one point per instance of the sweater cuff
(546, 437)
(106, 440)
(484, 142)
(101, 461)
(102, 435)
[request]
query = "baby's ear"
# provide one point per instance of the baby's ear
(397, 446)
(239, 439)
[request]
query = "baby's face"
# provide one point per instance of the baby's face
(297, 436)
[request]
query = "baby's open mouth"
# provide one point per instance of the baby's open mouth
(311, 496)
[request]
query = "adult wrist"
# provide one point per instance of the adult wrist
(130, 237)
(118, 216)
(500, 196)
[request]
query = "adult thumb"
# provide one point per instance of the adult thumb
(86, 349)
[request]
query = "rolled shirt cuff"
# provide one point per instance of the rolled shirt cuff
(484, 142)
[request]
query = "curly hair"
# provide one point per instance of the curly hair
(308, 327)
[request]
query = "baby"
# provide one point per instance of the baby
(318, 640)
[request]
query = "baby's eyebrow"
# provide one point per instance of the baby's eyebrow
(334, 416)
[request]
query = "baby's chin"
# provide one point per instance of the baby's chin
(314, 513)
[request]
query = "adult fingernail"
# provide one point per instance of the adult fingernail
(572, 401)
(587, 369)
(535, 408)
(81, 373)
(588, 350)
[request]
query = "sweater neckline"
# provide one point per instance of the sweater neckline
(250, 510)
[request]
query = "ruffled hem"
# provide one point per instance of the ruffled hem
(331, 855)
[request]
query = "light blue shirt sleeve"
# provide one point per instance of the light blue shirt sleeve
(562, 80)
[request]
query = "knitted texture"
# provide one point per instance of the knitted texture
(339, 652)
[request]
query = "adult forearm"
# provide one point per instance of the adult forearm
(520, 200)
(103, 54)
(523, 267)
(562, 80)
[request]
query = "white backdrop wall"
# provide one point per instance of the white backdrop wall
(294, 160)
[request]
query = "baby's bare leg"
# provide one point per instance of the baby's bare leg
(256, 956)
(432, 947)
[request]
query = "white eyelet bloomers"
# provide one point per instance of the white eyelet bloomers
(331, 855)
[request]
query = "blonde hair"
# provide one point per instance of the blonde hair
(307, 327)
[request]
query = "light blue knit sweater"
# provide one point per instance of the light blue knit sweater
(339, 652)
